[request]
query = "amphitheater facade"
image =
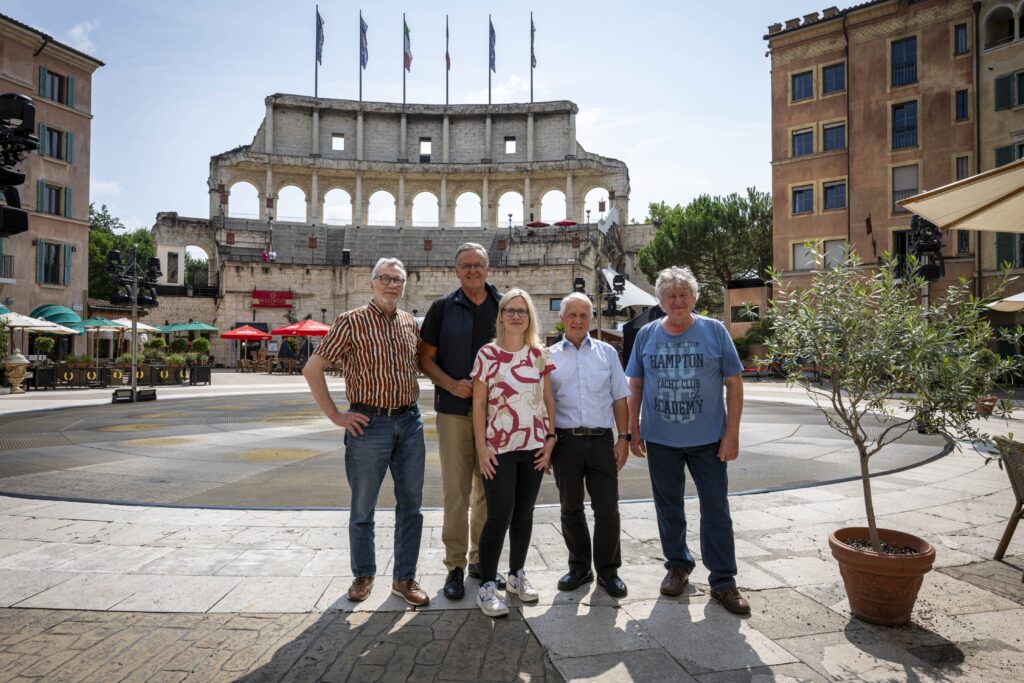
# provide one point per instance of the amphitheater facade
(493, 154)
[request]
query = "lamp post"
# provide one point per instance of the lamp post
(588, 216)
(127, 276)
(323, 315)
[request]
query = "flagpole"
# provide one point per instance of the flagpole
(403, 57)
(447, 57)
(531, 64)
(489, 29)
(316, 63)
(359, 42)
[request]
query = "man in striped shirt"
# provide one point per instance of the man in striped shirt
(377, 347)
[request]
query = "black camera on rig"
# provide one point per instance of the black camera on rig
(17, 121)
(925, 242)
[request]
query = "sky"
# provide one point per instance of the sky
(679, 91)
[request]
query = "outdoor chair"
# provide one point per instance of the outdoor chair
(1013, 463)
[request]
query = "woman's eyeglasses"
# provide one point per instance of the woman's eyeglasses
(516, 313)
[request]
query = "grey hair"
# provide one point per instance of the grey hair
(673, 277)
(387, 262)
(575, 296)
(472, 246)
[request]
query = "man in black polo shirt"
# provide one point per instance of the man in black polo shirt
(455, 328)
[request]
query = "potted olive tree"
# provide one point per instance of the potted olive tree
(890, 361)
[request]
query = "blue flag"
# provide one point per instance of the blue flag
(319, 38)
(533, 55)
(493, 40)
(364, 51)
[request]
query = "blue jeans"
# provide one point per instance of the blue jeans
(666, 465)
(395, 443)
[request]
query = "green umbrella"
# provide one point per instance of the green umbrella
(98, 324)
(190, 326)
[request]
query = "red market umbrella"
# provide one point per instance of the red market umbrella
(304, 328)
(538, 224)
(246, 333)
(566, 223)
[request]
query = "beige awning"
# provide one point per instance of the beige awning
(992, 201)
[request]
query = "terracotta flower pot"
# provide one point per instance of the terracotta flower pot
(882, 589)
(986, 405)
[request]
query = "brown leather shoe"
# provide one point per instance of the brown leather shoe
(675, 582)
(411, 592)
(732, 600)
(360, 588)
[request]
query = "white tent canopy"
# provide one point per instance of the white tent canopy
(17, 321)
(1010, 304)
(992, 201)
(633, 296)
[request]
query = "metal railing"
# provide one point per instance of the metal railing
(904, 73)
(904, 136)
(7, 266)
(897, 195)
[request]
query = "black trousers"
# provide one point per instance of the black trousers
(590, 461)
(510, 495)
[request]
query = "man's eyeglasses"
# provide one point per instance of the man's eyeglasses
(516, 313)
(472, 266)
(387, 280)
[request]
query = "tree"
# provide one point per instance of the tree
(719, 238)
(196, 271)
(106, 233)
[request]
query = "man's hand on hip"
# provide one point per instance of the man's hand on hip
(351, 421)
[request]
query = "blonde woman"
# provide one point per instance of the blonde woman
(513, 405)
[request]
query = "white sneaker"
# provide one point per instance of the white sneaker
(520, 585)
(489, 602)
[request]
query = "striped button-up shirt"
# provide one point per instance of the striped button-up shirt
(378, 355)
(586, 382)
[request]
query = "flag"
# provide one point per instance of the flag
(364, 51)
(533, 55)
(447, 54)
(319, 38)
(493, 40)
(408, 48)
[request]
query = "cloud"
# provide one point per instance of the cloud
(512, 89)
(104, 188)
(78, 35)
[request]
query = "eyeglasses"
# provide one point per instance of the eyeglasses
(387, 280)
(472, 266)
(516, 313)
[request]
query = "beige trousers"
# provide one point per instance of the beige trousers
(465, 509)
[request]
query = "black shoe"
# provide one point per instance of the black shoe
(474, 571)
(614, 585)
(454, 589)
(574, 579)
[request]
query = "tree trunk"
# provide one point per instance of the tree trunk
(869, 506)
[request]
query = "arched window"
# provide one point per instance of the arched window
(596, 201)
(552, 206)
(467, 210)
(425, 210)
(382, 209)
(999, 26)
(291, 205)
(337, 207)
(243, 201)
(510, 203)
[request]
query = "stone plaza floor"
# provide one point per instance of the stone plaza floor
(107, 592)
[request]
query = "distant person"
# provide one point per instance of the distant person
(383, 427)
(454, 329)
(265, 256)
(272, 255)
(677, 369)
(513, 405)
(591, 393)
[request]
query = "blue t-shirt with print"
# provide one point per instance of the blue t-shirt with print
(682, 374)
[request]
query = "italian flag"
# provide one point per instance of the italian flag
(408, 48)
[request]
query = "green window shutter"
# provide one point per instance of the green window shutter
(1, 247)
(67, 202)
(40, 193)
(1004, 92)
(1004, 155)
(40, 259)
(1004, 248)
(42, 139)
(43, 90)
(71, 92)
(69, 144)
(67, 265)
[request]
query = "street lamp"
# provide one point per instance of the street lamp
(323, 315)
(127, 277)
(588, 216)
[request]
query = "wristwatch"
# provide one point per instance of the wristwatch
(627, 437)
(548, 437)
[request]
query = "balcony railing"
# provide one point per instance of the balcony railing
(7, 266)
(905, 73)
(904, 136)
(898, 195)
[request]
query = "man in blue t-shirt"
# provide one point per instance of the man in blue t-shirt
(677, 370)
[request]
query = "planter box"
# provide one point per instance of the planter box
(42, 378)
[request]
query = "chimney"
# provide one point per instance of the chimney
(792, 23)
(810, 18)
(830, 12)
(774, 28)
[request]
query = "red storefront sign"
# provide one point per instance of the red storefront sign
(270, 298)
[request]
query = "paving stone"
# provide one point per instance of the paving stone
(624, 667)
(596, 629)
(115, 559)
(16, 585)
(1000, 578)
(860, 655)
(785, 613)
(13, 547)
(802, 571)
(943, 593)
(981, 660)
(273, 594)
(47, 556)
(89, 591)
(780, 673)
(268, 563)
(190, 561)
(179, 594)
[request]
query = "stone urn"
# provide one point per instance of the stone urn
(16, 365)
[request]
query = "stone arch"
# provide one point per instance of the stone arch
(999, 26)
(467, 208)
(337, 207)
(426, 210)
(172, 233)
(552, 206)
(290, 204)
(592, 198)
(510, 202)
(201, 277)
(382, 209)
(243, 200)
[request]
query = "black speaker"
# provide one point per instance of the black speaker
(346, 257)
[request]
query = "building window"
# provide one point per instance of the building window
(803, 142)
(803, 257)
(962, 168)
(337, 142)
(56, 87)
(835, 195)
(803, 86)
(172, 266)
(833, 79)
(904, 184)
(904, 125)
(963, 242)
(803, 199)
(51, 200)
(510, 144)
(554, 305)
(904, 61)
(834, 136)
(960, 39)
(54, 143)
(52, 263)
(961, 105)
(424, 150)
(835, 251)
